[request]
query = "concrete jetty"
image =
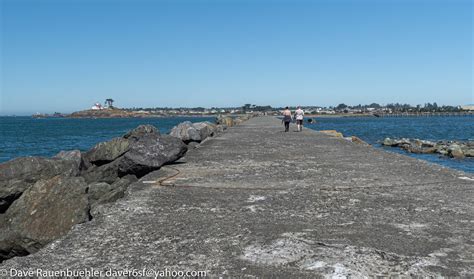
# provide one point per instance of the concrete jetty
(258, 202)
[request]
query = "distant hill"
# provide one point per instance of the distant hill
(109, 113)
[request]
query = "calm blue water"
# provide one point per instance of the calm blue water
(27, 136)
(373, 130)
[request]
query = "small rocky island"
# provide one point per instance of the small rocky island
(453, 149)
(41, 199)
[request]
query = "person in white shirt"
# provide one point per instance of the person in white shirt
(299, 115)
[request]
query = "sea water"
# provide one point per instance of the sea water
(27, 136)
(374, 130)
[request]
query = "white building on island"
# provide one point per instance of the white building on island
(97, 106)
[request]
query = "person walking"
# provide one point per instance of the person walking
(286, 119)
(299, 116)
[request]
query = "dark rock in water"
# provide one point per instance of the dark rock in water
(19, 174)
(424, 143)
(44, 212)
(150, 153)
(395, 142)
(141, 131)
(106, 152)
(452, 149)
(468, 152)
(418, 149)
(455, 151)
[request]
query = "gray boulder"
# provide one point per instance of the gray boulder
(102, 193)
(9, 247)
(206, 129)
(455, 151)
(225, 120)
(149, 153)
(468, 152)
(19, 174)
(72, 155)
(105, 152)
(141, 131)
(418, 149)
(186, 132)
(424, 143)
(107, 173)
(44, 212)
(197, 132)
(395, 142)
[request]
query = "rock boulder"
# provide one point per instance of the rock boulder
(44, 212)
(193, 132)
(149, 153)
(141, 131)
(19, 174)
(105, 152)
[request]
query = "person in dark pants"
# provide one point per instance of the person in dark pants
(286, 119)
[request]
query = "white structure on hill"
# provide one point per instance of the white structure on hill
(97, 106)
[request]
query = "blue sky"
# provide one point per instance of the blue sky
(65, 55)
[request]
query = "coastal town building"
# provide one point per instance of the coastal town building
(468, 107)
(97, 106)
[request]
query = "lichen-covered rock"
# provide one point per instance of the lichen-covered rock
(44, 212)
(106, 152)
(197, 132)
(19, 174)
(186, 132)
(150, 153)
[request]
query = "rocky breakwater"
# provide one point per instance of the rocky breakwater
(42, 198)
(193, 134)
(453, 149)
